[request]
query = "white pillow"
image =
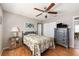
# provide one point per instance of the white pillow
(31, 34)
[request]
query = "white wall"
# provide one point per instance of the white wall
(12, 20)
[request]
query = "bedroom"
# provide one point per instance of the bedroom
(21, 19)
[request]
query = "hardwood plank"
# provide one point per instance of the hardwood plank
(58, 51)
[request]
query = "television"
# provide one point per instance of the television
(61, 25)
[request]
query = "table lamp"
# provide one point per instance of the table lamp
(15, 31)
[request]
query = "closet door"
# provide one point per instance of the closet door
(52, 28)
(48, 29)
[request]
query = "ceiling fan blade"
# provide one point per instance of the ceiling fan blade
(52, 12)
(50, 6)
(38, 14)
(38, 9)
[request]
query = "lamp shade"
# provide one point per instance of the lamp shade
(15, 29)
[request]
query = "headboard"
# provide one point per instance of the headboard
(31, 32)
(26, 33)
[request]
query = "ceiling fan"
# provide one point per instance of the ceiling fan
(46, 10)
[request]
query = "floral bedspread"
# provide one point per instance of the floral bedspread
(38, 44)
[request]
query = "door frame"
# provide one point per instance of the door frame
(74, 29)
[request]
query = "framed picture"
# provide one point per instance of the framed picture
(29, 25)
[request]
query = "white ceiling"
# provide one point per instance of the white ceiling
(28, 9)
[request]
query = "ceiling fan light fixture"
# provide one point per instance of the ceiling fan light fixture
(46, 11)
(45, 7)
(45, 16)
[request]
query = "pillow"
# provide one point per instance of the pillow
(31, 34)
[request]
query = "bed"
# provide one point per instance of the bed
(37, 44)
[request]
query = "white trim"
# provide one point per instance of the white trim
(74, 27)
(5, 48)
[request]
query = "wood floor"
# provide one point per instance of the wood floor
(58, 51)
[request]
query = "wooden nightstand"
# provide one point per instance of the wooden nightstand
(15, 42)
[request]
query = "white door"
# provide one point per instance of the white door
(49, 29)
(39, 29)
(52, 28)
(46, 29)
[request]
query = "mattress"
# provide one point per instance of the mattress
(38, 44)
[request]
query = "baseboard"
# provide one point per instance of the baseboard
(5, 48)
(71, 46)
(2, 50)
